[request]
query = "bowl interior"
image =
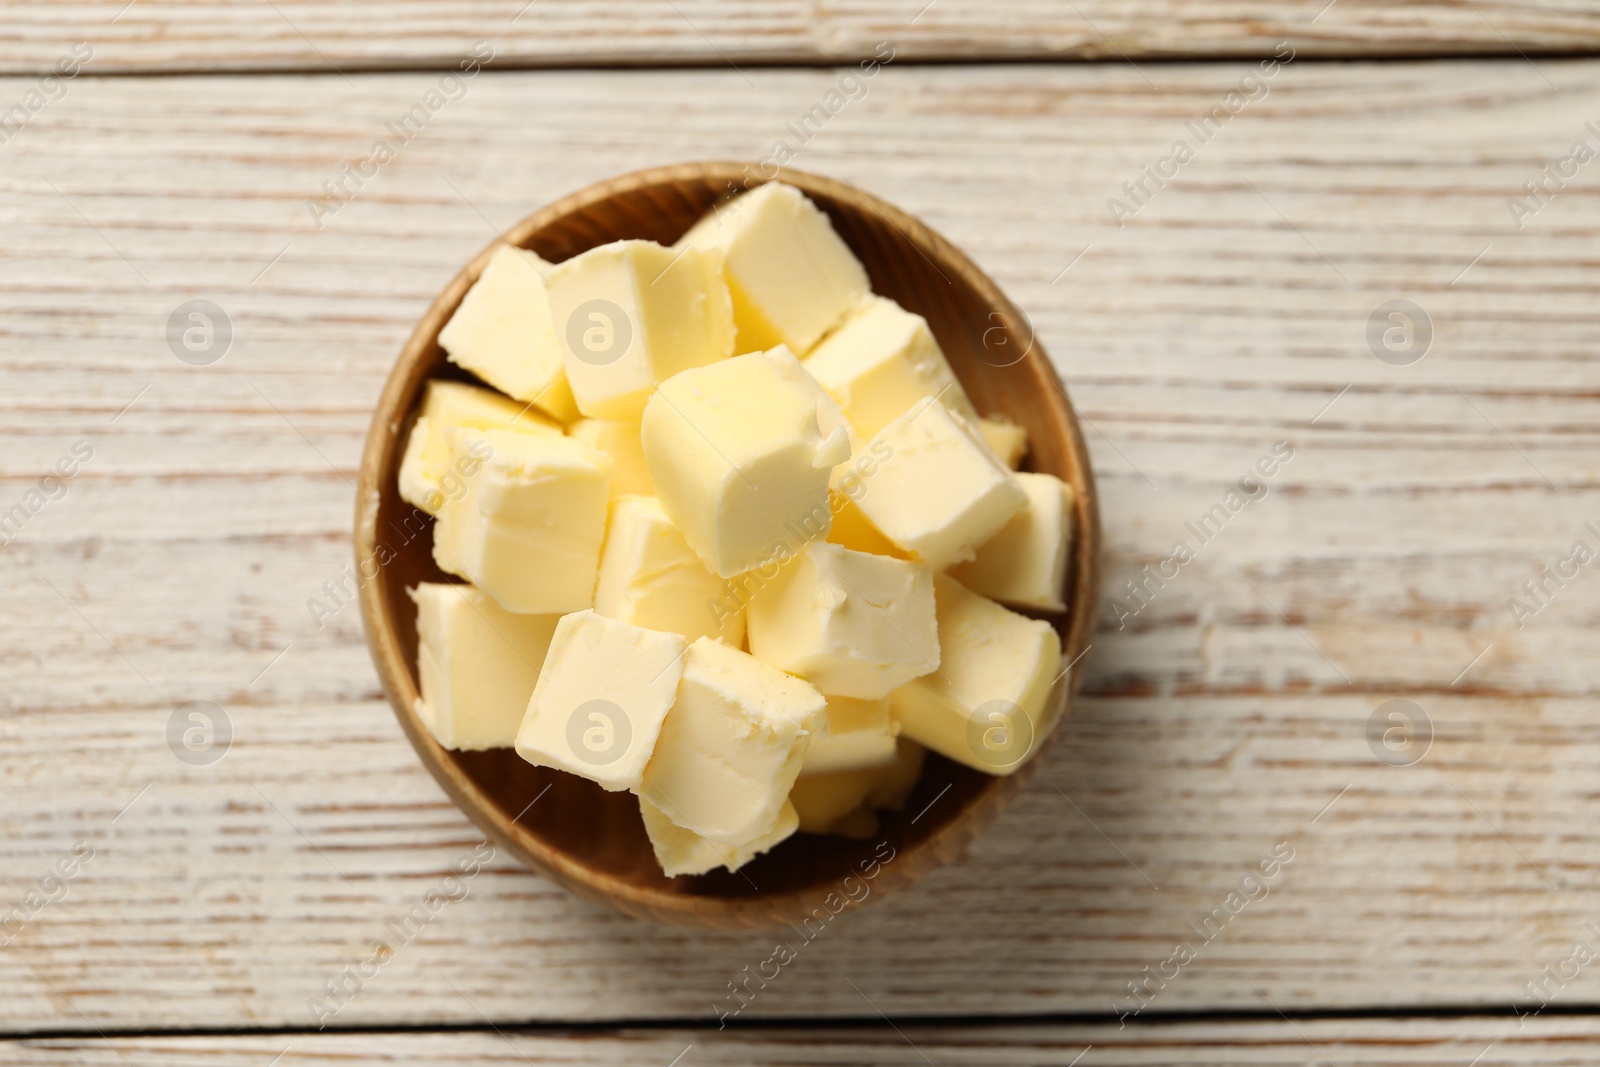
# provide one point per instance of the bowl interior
(593, 841)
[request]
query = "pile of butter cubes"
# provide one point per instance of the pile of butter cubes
(734, 537)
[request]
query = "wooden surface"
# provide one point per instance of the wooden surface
(356, 35)
(1369, 1042)
(1231, 714)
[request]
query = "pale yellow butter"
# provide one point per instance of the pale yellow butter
(741, 460)
(850, 623)
(1005, 439)
(989, 706)
(852, 530)
(791, 277)
(527, 527)
(619, 440)
(880, 361)
(1025, 564)
(732, 745)
(835, 802)
(503, 332)
(557, 401)
(426, 477)
(651, 578)
(630, 315)
(478, 664)
(681, 851)
(941, 492)
(860, 734)
(605, 688)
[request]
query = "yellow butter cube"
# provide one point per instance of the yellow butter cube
(426, 475)
(650, 577)
(882, 360)
(681, 851)
(1025, 564)
(850, 623)
(503, 331)
(528, 526)
(630, 315)
(941, 492)
(732, 745)
(990, 705)
(478, 664)
(741, 456)
(604, 691)
(791, 277)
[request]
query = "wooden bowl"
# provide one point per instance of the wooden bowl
(591, 841)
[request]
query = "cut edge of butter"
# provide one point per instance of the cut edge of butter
(683, 852)
(502, 331)
(940, 491)
(790, 276)
(528, 525)
(993, 701)
(1025, 564)
(477, 665)
(880, 361)
(604, 692)
(448, 406)
(732, 745)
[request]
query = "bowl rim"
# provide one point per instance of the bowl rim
(389, 417)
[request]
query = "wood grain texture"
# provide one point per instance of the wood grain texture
(354, 35)
(1368, 1042)
(1229, 715)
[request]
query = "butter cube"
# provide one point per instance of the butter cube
(528, 525)
(681, 851)
(619, 440)
(940, 493)
(649, 577)
(828, 803)
(732, 745)
(630, 315)
(426, 476)
(503, 332)
(791, 277)
(1025, 564)
(1007, 440)
(989, 706)
(850, 623)
(604, 691)
(478, 664)
(860, 733)
(741, 460)
(882, 360)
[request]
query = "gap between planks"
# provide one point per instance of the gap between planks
(798, 62)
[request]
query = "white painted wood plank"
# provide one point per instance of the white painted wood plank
(354, 35)
(1225, 317)
(1369, 1042)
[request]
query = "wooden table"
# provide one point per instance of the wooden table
(1347, 265)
